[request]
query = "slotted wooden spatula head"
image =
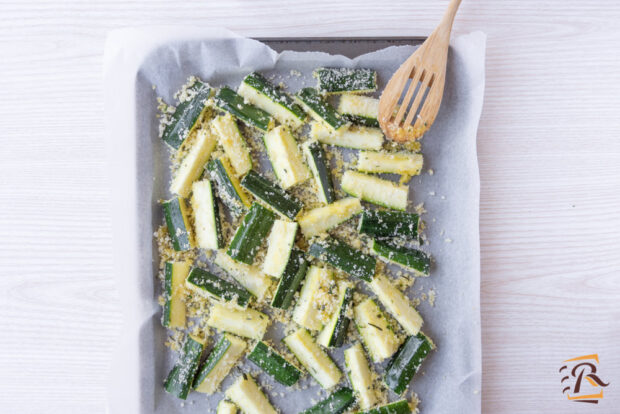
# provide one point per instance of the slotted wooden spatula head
(411, 99)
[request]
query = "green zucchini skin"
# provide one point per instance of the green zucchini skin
(168, 275)
(272, 195)
(216, 215)
(339, 80)
(318, 161)
(405, 363)
(294, 273)
(397, 407)
(165, 320)
(263, 86)
(380, 224)
(336, 403)
(219, 350)
(413, 259)
(344, 257)
(180, 379)
(186, 115)
(220, 288)
(342, 325)
(226, 189)
(362, 120)
(251, 232)
(315, 102)
(179, 233)
(267, 359)
(212, 209)
(228, 100)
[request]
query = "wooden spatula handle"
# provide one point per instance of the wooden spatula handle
(445, 26)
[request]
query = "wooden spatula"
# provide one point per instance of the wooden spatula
(427, 70)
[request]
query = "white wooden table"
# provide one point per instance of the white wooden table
(549, 152)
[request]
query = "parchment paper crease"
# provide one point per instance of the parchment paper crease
(136, 59)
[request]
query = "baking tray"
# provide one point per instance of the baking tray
(150, 335)
(346, 46)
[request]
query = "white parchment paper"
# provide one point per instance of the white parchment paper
(135, 60)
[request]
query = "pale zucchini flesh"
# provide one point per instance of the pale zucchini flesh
(285, 157)
(193, 163)
(218, 364)
(174, 312)
(360, 109)
(207, 230)
(375, 331)
(248, 323)
(279, 246)
(321, 219)
(315, 299)
(375, 190)
(396, 304)
(404, 163)
(356, 137)
(313, 358)
(248, 276)
(226, 407)
(360, 376)
(235, 147)
(246, 394)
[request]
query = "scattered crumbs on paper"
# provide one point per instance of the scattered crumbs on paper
(431, 297)
(153, 87)
(431, 193)
(442, 232)
(420, 209)
(434, 220)
(447, 240)
(476, 392)
(443, 197)
(182, 404)
(295, 73)
(430, 171)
